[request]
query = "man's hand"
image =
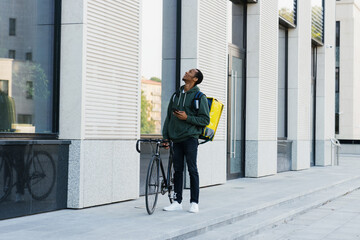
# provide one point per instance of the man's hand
(166, 144)
(180, 115)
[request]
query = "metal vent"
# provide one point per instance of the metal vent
(112, 70)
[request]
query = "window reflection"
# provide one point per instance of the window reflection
(26, 66)
(317, 20)
(4, 86)
(25, 173)
(151, 66)
(287, 10)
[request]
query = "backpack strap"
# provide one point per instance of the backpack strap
(196, 100)
(176, 94)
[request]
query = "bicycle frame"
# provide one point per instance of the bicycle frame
(157, 154)
(157, 185)
(167, 176)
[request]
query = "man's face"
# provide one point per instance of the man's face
(189, 76)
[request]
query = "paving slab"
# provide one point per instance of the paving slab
(129, 220)
(326, 222)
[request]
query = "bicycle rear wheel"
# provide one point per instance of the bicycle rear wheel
(5, 178)
(152, 185)
(41, 179)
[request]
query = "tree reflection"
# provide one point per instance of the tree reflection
(31, 72)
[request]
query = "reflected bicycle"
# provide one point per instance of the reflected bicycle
(38, 174)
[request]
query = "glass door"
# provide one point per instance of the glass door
(236, 86)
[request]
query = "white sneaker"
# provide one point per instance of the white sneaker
(194, 208)
(175, 206)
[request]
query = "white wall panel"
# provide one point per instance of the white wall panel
(304, 71)
(268, 74)
(112, 70)
(212, 54)
(348, 13)
(300, 75)
(357, 69)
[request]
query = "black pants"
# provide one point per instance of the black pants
(187, 149)
(16, 155)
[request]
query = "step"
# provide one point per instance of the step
(221, 226)
(267, 218)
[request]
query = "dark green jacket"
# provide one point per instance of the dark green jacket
(179, 130)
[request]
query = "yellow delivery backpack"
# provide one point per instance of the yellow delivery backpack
(215, 108)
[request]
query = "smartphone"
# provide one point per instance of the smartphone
(175, 110)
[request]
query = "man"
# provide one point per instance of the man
(183, 125)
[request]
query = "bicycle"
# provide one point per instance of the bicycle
(38, 174)
(153, 184)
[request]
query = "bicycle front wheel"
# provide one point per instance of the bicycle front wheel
(152, 185)
(42, 174)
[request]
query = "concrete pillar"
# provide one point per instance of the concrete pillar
(72, 81)
(103, 162)
(299, 87)
(261, 89)
(325, 89)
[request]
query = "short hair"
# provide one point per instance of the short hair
(199, 76)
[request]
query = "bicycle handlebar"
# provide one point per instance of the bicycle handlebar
(150, 141)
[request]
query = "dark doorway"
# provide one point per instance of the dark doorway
(313, 105)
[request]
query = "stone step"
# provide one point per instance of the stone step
(261, 220)
(242, 224)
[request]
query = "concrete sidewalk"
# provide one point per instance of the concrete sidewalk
(336, 220)
(219, 206)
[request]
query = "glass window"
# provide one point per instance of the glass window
(236, 24)
(12, 27)
(25, 118)
(29, 90)
(337, 42)
(282, 83)
(317, 18)
(151, 66)
(27, 104)
(337, 79)
(28, 56)
(287, 11)
(12, 54)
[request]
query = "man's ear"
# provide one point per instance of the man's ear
(195, 79)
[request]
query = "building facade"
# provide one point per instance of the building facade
(264, 60)
(347, 72)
